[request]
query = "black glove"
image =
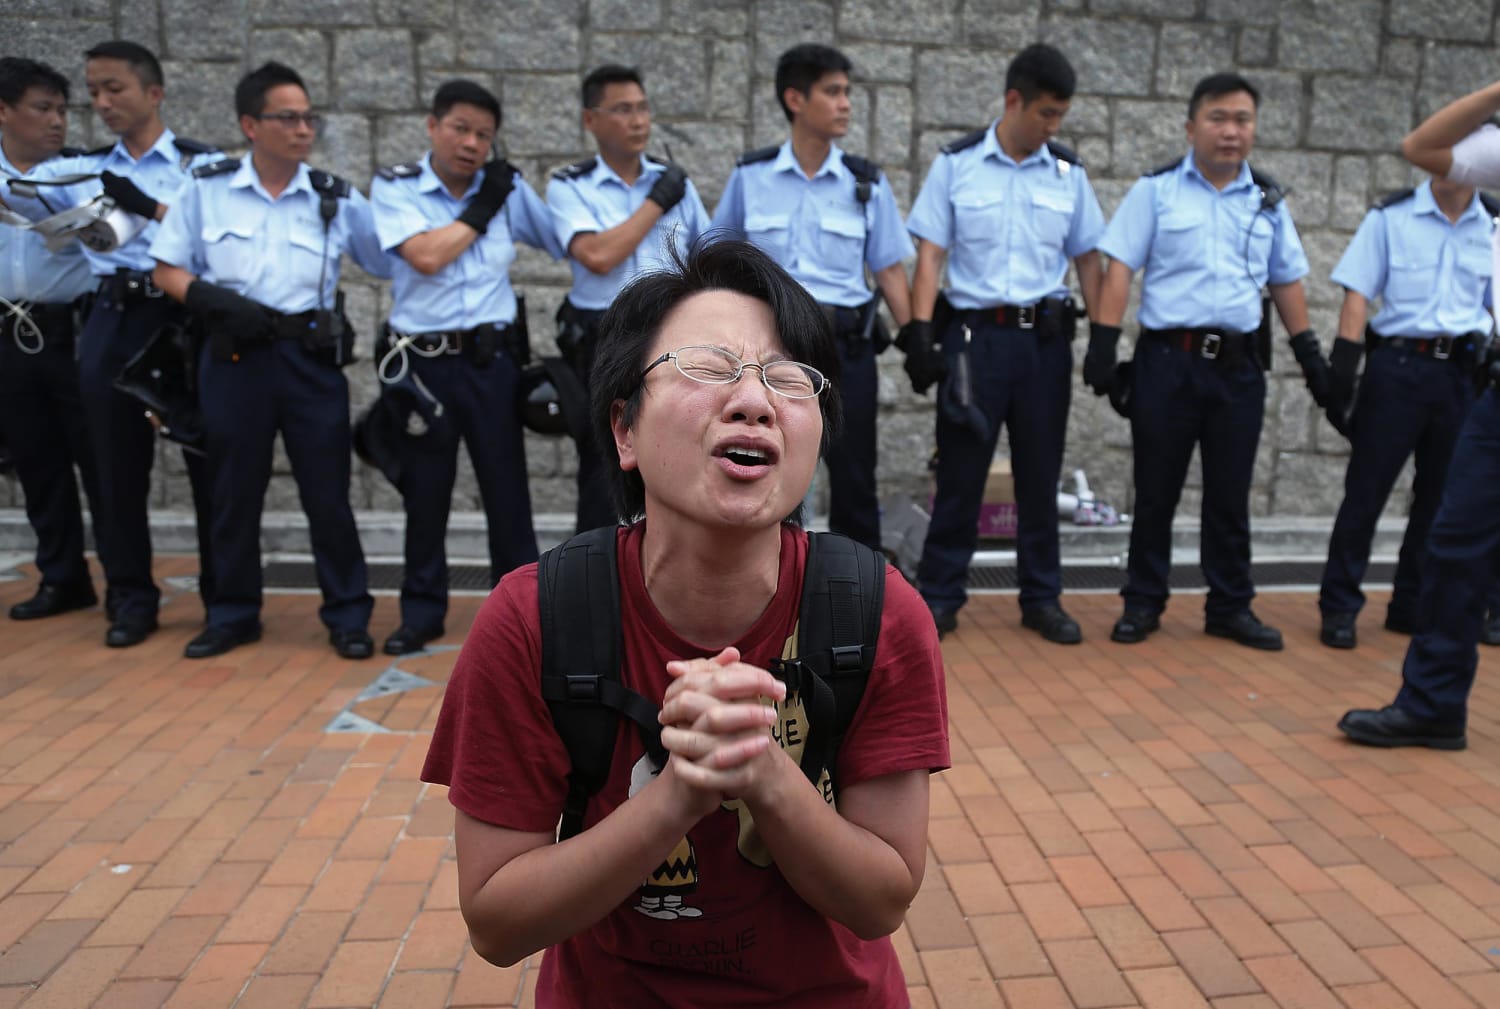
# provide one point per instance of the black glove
(229, 315)
(1099, 362)
(1343, 367)
(925, 363)
(670, 188)
(128, 196)
(1314, 368)
(499, 180)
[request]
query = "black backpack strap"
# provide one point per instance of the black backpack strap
(578, 594)
(838, 627)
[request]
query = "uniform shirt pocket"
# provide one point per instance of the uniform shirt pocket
(1179, 241)
(842, 237)
(230, 252)
(1413, 272)
(770, 232)
(979, 218)
(1051, 214)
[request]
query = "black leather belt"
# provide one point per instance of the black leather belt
(123, 285)
(1210, 344)
(451, 341)
(1438, 348)
(1020, 316)
(844, 319)
(291, 327)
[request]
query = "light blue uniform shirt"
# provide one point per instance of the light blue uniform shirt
(597, 200)
(1432, 275)
(1207, 252)
(475, 288)
(1010, 229)
(815, 228)
(28, 271)
(226, 229)
(161, 173)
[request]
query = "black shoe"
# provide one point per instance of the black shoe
(1391, 726)
(1401, 622)
(945, 620)
(217, 639)
(128, 631)
(1134, 626)
(1053, 623)
(404, 640)
(1489, 633)
(50, 600)
(1338, 630)
(352, 644)
(1246, 629)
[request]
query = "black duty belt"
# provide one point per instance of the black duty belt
(1019, 316)
(1210, 344)
(449, 341)
(1438, 348)
(293, 326)
(125, 285)
(845, 319)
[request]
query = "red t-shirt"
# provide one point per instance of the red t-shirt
(716, 924)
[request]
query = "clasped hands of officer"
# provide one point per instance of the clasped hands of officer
(494, 189)
(925, 364)
(716, 718)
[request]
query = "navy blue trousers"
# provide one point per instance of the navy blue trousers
(1182, 399)
(1024, 381)
(41, 415)
(853, 503)
(124, 447)
(596, 506)
(480, 404)
(1461, 566)
(280, 387)
(1408, 404)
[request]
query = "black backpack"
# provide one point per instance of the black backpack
(578, 590)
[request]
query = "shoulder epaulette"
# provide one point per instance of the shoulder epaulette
(1392, 198)
(105, 149)
(1170, 166)
(1064, 154)
(187, 146)
(577, 169)
(70, 152)
(964, 142)
(863, 169)
(333, 185)
(406, 170)
(221, 167)
(1271, 191)
(1490, 204)
(759, 154)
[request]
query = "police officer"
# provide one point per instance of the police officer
(1462, 561)
(252, 248)
(1209, 233)
(452, 220)
(824, 215)
(1008, 208)
(615, 214)
(42, 297)
(1425, 253)
(142, 173)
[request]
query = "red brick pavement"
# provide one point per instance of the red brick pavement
(1173, 825)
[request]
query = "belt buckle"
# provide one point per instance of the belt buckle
(453, 342)
(1026, 316)
(1442, 347)
(1212, 342)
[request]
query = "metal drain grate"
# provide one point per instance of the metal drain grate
(386, 576)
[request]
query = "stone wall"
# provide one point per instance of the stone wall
(1342, 81)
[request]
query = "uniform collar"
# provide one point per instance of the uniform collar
(603, 173)
(786, 160)
(1189, 169)
(1423, 202)
(990, 147)
(164, 148)
(246, 177)
(429, 182)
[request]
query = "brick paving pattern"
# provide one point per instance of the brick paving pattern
(1174, 825)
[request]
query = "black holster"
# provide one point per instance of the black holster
(577, 334)
(1261, 344)
(329, 338)
(516, 338)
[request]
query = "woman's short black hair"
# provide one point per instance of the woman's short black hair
(629, 329)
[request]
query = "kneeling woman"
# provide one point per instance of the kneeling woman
(720, 874)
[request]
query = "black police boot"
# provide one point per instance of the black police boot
(352, 643)
(1391, 726)
(1053, 623)
(1135, 626)
(128, 631)
(1400, 621)
(1338, 630)
(946, 620)
(1246, 629)
(216, 639)
(50, 600)
(405, 640)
